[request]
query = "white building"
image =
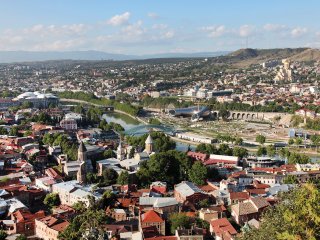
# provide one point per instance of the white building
(69, 124)
(194, 138)
(71, 192)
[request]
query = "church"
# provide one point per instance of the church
(80, 167)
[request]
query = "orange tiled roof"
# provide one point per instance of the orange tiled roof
(151, 216)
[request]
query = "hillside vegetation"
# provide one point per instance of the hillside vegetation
(249, 56)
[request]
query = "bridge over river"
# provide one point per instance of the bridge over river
(142, 129)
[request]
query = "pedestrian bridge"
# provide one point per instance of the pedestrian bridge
(142, 129)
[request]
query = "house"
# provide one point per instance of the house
(48, 228)
(69, 124)
(71, 192)
(222, 160)
(118, 214)
(218, 211)
(187, 191)
(152, 218)
(158, 187)
(249, 209)
(22, 222)
(236, 197)
(189, 234)
(198, 156)
(208, 214)
(221, 229)
(162, 205)
(45, 183)
(115, 230)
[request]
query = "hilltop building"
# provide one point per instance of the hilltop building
(285, 73)
(38, 100)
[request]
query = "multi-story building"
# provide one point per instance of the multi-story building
(69, 124)
(48, 228)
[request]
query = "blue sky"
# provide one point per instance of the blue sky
(157, 26)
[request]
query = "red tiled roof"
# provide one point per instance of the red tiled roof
(222, 226)
(151, 216)
(60, 226)
(239, 195)
(208, 188)
(162, 238)
(198, 156)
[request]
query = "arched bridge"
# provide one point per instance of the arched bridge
(142, 129)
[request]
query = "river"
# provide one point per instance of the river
(128, 122)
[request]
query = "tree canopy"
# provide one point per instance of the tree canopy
(297, 216)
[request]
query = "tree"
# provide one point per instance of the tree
(315, 140)
(27, 133)
(295, 217)
(26, 105)
(206, 148)
(238, 141)
(240, 152)
(79, 206)
(171, 166)
(298, 141)
(52, 199)
(271, 150)
(109, 176)
(179, 220)
(198, 173)
(3, 131)
(261, 139)
(90, 219)
(261, 151)
(290, 179)
(295, 158)
(123, 178)
(21, 237)
(109, 154)
(3, 235)
(224, 113)
(132, 152)
(291, 141)
(14, 131)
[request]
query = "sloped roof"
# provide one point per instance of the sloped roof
(221, 226)
(187, 188)
(151, 216)
(149, 140)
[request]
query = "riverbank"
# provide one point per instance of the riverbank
(99, 105)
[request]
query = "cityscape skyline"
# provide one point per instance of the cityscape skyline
(145, 27)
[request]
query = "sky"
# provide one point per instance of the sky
(137, 27)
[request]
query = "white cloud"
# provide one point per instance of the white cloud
(274, 27)
(153, 15)
(169, 34)
(246, 30)
(159, 26)
(43, 30)
(298, 32)
(215, 31)
(133, 30)
(119, 20)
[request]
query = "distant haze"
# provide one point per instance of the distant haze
(29, 56)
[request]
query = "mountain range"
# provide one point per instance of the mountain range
(29, 56)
